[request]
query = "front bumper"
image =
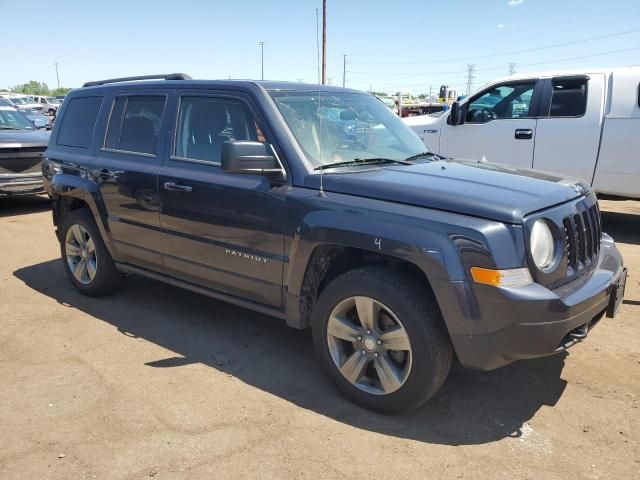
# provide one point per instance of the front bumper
(21, 184)
(533, 321)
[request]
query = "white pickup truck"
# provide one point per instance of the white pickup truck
(583, 124)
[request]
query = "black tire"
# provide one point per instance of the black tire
(51, 112)
(107, 278)
(416, 308)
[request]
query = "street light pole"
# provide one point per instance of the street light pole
(57, 76)
(262, 58)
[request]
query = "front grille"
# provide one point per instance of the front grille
(582, 237)
(21, 160)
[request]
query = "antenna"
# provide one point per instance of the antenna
(320, 143)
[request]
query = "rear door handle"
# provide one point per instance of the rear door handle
(524, 134)
(174, 187)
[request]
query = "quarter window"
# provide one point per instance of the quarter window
(205, 123)
(501, 102)
(134, 123)
(79, 121)
(569, 97)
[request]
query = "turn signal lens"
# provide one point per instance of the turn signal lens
(501, 278)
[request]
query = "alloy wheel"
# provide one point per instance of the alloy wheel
(369, 345)
(81, 254)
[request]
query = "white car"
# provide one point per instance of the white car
(49, 104)
(22, 101)
(582, 124)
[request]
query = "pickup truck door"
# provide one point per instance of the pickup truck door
(499, 125)
(222, 231)
(569, 127)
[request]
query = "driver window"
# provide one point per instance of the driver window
(507, 101)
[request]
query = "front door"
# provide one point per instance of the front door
(499, 126)
(127, 167)
(222, 231)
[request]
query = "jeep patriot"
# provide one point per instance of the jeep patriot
(317, 205)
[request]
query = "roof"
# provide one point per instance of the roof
(566, 72)
(270, 85)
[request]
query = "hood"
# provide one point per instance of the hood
(480, 189)
(23, 138)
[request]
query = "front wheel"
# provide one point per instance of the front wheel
(381, 339)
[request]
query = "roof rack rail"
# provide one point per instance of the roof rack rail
(166, 76)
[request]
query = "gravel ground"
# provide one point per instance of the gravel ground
(159, 382)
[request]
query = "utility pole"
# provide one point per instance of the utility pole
(318, 43)
(262, 58)
(470, 76)
(324, 41)
(512, 68)
(344, 70)
(430, 90)
(57, 75)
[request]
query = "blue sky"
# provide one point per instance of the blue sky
(390, 45)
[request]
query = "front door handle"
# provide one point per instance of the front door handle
(524, 134)
(174, 187)
(106, 174)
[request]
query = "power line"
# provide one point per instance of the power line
(513, 52)
(610, 52)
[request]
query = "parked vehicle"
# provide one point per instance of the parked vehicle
(582, 124)
(24, 101)
(49, 104)
(21, 147)
(317, 205)
(37, 118)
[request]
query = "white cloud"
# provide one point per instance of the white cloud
(501, 25)
(513, 3)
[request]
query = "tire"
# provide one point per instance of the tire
(106, 278)
(51, 112)
(423, 359)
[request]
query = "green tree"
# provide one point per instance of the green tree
(33, 87)
(60, 91)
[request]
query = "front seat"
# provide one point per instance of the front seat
(205, 141)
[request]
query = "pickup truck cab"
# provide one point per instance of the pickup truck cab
(317, 205)
(582, 124)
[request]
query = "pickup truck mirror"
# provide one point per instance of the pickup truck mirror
(242, 156)
(454, 116)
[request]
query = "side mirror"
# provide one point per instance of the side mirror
(243, 156)
(454, 116)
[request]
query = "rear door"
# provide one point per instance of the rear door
(569, 127)
(126, 169)
(499, 126)
(221, 230)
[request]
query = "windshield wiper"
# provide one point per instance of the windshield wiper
(362, 161)
(8, 127)
(424, 154)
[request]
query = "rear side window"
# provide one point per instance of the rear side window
(569, 97)
(79, 121)
(134, 123)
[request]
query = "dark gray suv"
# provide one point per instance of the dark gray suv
(318, 205)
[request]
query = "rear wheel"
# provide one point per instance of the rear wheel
(87, 261)
(381, 339)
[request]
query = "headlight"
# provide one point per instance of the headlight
(542, 245)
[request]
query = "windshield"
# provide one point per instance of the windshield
(342, 127)
(52, 100)
(18, 101)
(14, 120)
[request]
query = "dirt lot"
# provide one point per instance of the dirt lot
(159, 382)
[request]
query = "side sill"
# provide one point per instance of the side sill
(274, 312)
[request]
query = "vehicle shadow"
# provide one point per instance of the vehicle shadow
(10, 207)
(472, 407)
(623, 227)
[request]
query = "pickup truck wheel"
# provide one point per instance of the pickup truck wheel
(85, 257)
(381, 339)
